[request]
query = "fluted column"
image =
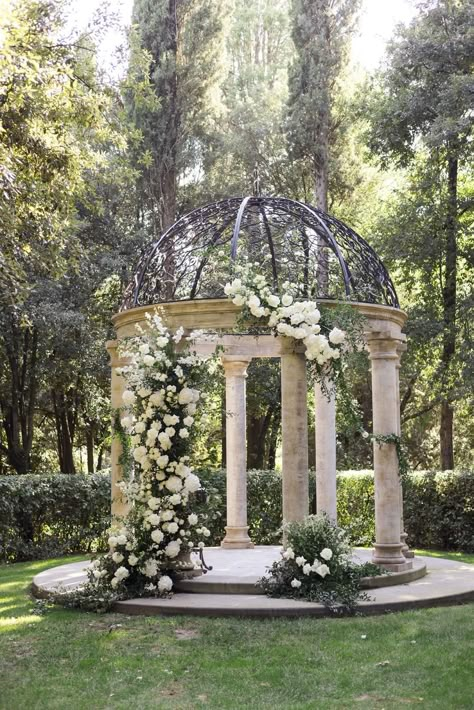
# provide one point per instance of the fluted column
(294, 437)
(119, 505)
(236, 453)
(385, 405)
(325, 428)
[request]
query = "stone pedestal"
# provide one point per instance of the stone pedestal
(325, 426)
(294, 424)
(119, 505)
(236, 454)
(385, 404)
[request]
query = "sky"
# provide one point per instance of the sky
(377, 22)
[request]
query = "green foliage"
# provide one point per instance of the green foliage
(60, 514)
(316, 543)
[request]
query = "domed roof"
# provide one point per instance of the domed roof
(291, 241)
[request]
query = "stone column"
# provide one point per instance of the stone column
(294, 421)
(119, 506)
(403, 535)
(325, 426)
(385, 405)
(236, 453)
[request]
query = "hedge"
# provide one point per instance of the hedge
(45, 515)
(438, 508)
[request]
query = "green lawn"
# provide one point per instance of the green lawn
(70, 660)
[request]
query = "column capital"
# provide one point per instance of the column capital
(116, 360)
(235, 366)
(383, 346)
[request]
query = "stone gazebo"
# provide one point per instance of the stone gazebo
(184, 272)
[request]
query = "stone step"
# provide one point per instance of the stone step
(215, 584)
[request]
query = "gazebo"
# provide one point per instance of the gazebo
(184, 271)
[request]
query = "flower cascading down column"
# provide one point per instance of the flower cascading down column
(161, 406)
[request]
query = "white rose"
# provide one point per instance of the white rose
(154, 519)
(306, 568)
(117, 557)
(322, 570)
(172, 548)
(128, 397)
(165, 584)
(337, 336)
(162, 461)
(139, 453)
(126, 422)
(193, 519)
(273, 301)
(238, 300)
(185, 396)
(300, 561)
(184, 433)
(192, 483)
(144, 349)
(174, 484)
(187, 421)
(167, 514)
(148, 360)
(121, 573)
(144, 392)
(153, 503)
(164, 440)
(157, 536)
(173, 528)
(132, 560)
(114, 582)
(326, 554)
(289, 554)
(170, 419)
(112, 541)
(121, 539)
(175, 499)
(140, 427)
(151, 568)
(287, 300)
(295, 583)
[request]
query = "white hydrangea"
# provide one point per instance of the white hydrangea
(165, 584)
(121, 573)
(128, 398)
(192, 483)
(157, 536)
(295, 583)
(172, 548)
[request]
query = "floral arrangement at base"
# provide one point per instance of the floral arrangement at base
(316, 566)
(156, 424)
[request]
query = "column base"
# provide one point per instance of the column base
(390, 557)
(236, 538)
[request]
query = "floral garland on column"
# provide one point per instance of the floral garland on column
(161, 401)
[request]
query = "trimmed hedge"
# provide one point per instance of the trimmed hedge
(438, 508)
(43, 516)
(49, 515)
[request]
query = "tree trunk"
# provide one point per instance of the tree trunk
(449, 317)
(90, 448)
(65, 413)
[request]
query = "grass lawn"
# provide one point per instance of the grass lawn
(74, 660)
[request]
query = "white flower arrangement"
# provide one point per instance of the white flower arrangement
(161, 402)
(285, 315)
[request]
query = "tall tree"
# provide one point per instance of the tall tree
(424, 100)
(321, 30)
(181, 38)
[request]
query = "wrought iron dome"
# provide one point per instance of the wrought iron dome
(292, 241)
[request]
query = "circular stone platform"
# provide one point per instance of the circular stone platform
(230, 588)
